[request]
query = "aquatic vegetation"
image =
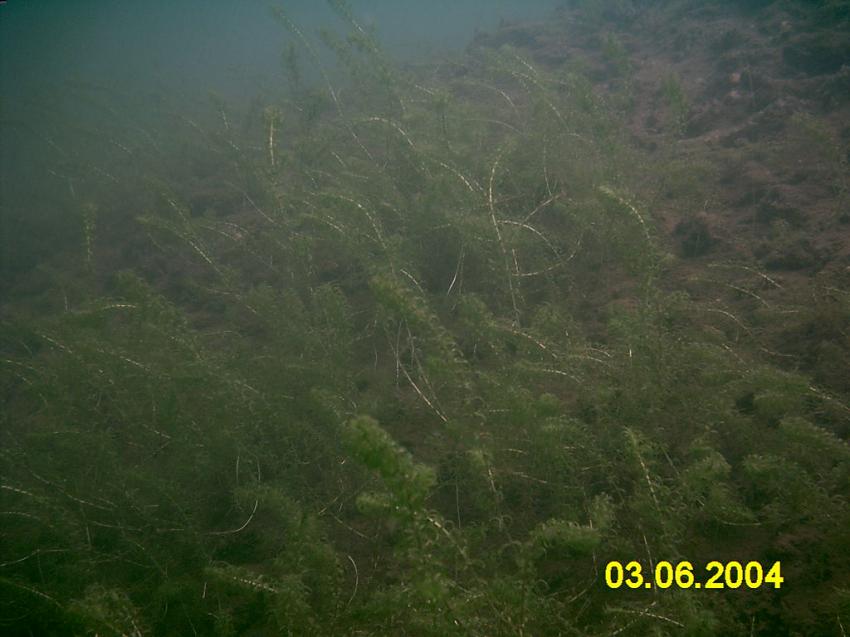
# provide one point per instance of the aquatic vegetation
(676, 101)
(399, 358)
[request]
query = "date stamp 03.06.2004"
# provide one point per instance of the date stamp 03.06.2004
(713, 575)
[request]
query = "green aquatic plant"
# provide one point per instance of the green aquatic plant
(89, 225)
(676, 102)
(413, 367)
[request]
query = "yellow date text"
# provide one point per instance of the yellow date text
(714, 575)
